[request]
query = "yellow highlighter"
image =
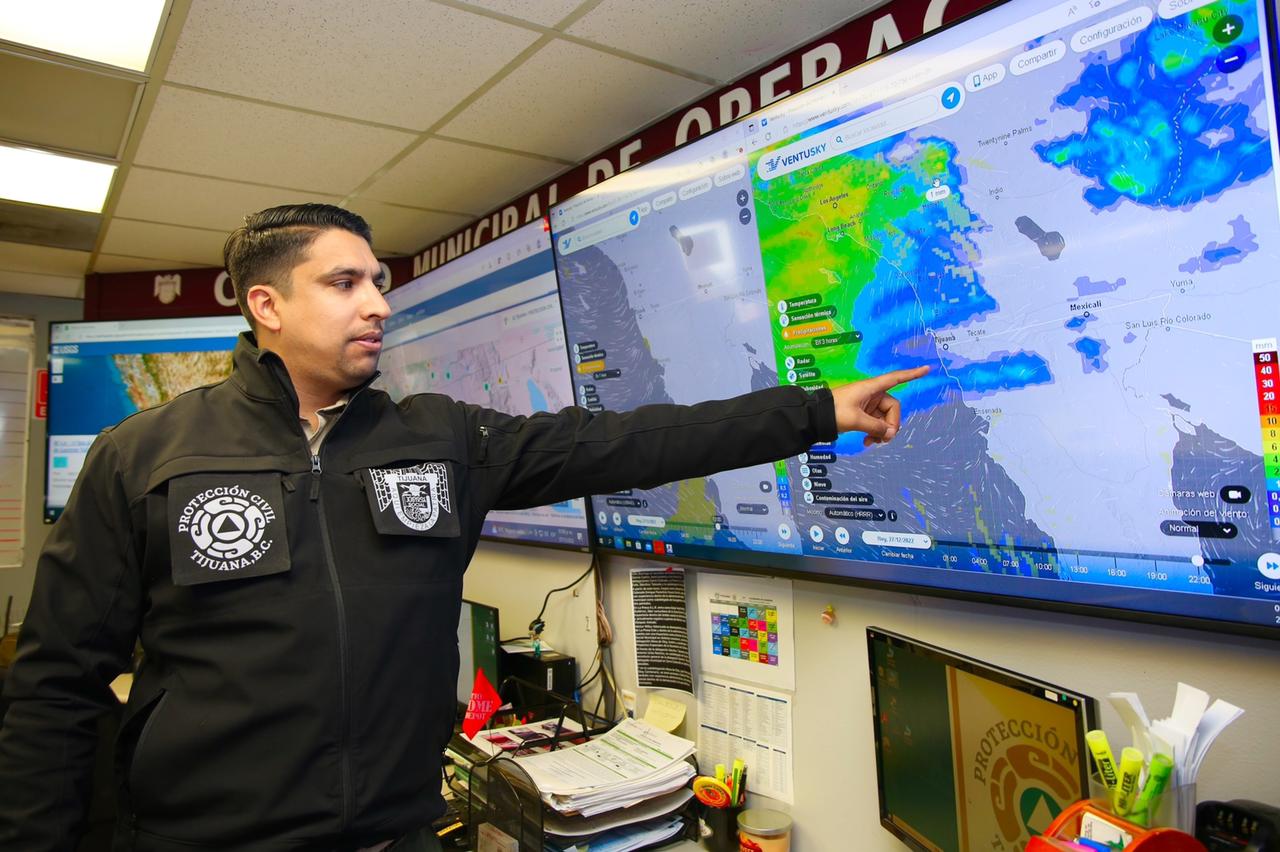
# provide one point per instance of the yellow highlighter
(1101, 751)
(1127, 789)
(720, 772)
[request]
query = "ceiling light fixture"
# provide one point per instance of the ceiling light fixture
(54, 180)
(113, 32)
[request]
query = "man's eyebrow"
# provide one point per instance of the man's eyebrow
(350, 272)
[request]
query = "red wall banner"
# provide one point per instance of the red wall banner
(199, 292)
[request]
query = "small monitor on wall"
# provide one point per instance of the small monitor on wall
(477, 647)
(486, 329)
(969, 756)
(102, 372)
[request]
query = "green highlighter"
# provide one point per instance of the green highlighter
(1158, 775)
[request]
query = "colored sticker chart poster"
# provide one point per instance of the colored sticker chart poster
(746, 625)
(1017, 762)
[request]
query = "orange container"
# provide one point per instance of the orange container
(1067, 827)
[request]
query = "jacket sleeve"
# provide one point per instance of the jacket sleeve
(77, 636)
(531, 461)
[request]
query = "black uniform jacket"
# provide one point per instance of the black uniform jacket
(299, 614)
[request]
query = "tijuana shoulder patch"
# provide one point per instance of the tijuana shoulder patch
(417, 500)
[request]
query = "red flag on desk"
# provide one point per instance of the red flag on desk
(484, 703)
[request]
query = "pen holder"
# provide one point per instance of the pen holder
(1176, 808)
(719, 828)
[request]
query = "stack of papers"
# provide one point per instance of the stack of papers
(638, 836)
(633, 762)
(1185, 736)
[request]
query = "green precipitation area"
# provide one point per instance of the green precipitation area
(826, 232)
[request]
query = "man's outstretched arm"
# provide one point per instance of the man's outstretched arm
(531, 461)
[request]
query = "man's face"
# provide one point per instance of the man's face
(331, 322)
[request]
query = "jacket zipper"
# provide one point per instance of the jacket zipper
(484, 442)
(344, 749)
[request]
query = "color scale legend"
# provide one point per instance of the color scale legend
(1265, 369)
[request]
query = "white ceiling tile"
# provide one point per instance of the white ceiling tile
(718, 39)
(399, 230)
(120, 263)
(22, 257)
(452, 176)
(201, 202)
(147, 239)
(570, 101)
(31, 283)
(223, 137)
(399, 62)
(544, 12)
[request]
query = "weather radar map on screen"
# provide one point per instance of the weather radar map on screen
(1070, 212)
(102, 372)
(486, 329)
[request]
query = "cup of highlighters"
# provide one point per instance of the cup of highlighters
(1143, 792)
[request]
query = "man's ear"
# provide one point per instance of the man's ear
(264, 303)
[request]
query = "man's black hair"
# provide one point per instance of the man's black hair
(272, 242)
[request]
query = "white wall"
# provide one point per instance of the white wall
(18, 581)
(834, 755)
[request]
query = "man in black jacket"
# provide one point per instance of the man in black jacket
(289, 547)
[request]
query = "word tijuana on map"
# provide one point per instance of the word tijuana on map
(1071, 213)
(486, 329)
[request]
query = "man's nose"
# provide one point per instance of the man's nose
(376, 304)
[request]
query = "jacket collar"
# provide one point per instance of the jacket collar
(261, 374)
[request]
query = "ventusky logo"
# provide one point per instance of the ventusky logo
(228, 527)
(417, 494)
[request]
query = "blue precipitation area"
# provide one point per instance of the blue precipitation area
(1215, 255)
(91, 396)
(925, 281)
(1078, 323)
(1145, 137)
(1091, 352)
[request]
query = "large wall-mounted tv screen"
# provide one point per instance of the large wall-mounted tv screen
(1070, 212)
(486, 329)
(102, 372)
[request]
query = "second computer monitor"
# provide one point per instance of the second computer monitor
(477, 647)
(970, 756)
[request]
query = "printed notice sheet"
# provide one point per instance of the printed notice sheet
(738, 721)
(746, 627)
(662, 629)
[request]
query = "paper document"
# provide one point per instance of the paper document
(633, 762)
(738, 721)
(575, 826)
(746, 626)
(517, 738)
